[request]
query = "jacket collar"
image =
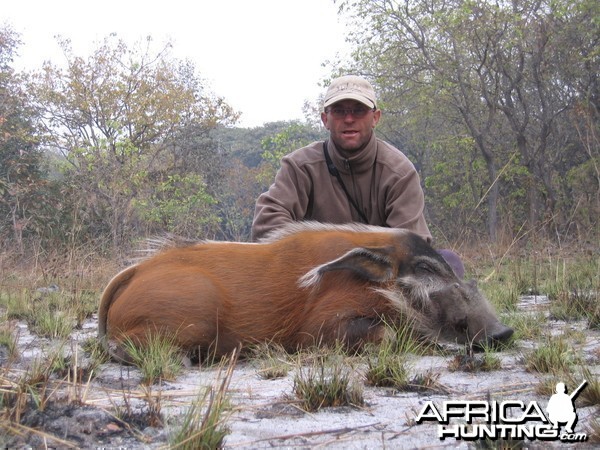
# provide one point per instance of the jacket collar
(358, 162)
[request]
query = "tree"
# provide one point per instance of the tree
(275, 146)
(21, 183)
(236, 199)
(117, 117)
(175, 203)
(505, 73)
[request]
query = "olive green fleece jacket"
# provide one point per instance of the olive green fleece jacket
(380, 178)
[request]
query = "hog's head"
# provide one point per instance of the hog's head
(423, 287)
(458, 313)
(443, 306)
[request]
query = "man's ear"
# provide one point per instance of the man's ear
(373, 264)
(324, 120)
(376, 117)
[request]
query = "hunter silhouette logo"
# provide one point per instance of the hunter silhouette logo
(482, 419)
(561, 408)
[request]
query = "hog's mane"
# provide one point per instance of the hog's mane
(299, 227)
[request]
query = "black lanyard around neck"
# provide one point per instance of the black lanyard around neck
(335, 172)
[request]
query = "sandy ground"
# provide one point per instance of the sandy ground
(265, 414)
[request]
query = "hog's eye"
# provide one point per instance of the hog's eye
(424, 267)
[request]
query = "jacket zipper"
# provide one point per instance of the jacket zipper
(355, 193)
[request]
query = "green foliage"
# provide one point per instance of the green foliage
(276, 146)
(180, 205)
(23, 198)
(456, 180)
(571, 283)
(503, 76)
(402, 338)
(96, 352)
(202, 426)
(135, 106)
(589, 396)
(582, 186)
(51, 322)
(489, 101)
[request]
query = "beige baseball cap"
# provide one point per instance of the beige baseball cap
(350, 87)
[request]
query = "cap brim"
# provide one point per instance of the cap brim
(347, 96)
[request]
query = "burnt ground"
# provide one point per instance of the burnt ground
(112, 410)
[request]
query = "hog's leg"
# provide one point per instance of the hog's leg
(352, 332)
(356, 332)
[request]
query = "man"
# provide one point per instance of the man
(351, 177)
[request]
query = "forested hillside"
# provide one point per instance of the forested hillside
(497, 104)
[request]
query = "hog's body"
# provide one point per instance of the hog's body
(306, 284)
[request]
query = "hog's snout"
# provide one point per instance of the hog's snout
(496, 339)
(504, 335)
(500, 336)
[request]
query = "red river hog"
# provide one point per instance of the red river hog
(305, 284)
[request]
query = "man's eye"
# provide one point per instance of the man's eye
(343, 112)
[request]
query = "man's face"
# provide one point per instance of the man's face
(350, 131)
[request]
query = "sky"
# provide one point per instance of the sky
(265, 57)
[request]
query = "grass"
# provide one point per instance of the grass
(527, 326)
(388, 370)
(505, 283)
(427, 383)
(594, 318)
(34, 388)
(589, 395)
(8, 340)
(54, 309)
(61, 372)
(159, 358)
(468, 361)
(387, 363)
(51, 323)
(501, 444)
(96, 352)
(203, 425)
(51, 314)
(575, 289)
(272, 360)
(326, 381)
(593, 431)
(553, 355)
(404, 340)
(572, 283)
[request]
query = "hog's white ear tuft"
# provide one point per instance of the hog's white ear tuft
(373, 264)
(310, 279)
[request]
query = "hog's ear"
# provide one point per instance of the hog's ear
(373, 264)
